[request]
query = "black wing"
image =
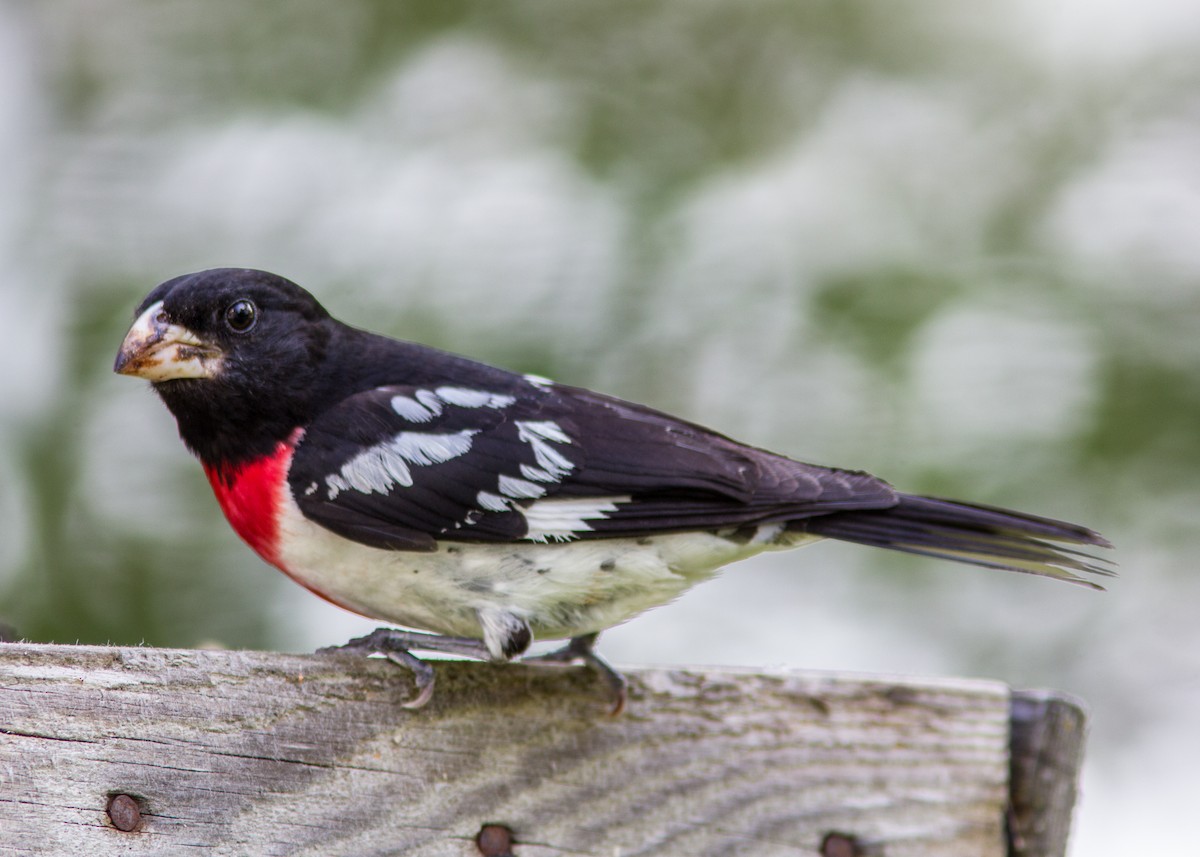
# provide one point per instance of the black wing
(402, 466)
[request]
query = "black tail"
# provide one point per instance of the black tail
(979, 535)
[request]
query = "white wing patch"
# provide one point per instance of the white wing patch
(423, 405)
(381, 467)
(553, 520)
(562, 520)
(520, 489)
(465, 398)
(491, 502)
(552, 465)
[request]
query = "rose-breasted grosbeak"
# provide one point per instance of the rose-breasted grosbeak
(425, 489)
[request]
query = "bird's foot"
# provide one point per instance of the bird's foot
(581, 649)
(396, 646)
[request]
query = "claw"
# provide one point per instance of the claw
(621, 697)
(422, 676)
(394, 645)
(581, 649)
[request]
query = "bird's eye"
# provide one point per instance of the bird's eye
(241, 315)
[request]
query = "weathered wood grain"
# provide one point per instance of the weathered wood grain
(240, 753)
(1046, 754)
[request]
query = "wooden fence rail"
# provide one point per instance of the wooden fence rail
(136, 751)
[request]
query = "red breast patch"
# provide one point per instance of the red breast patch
(250, 495)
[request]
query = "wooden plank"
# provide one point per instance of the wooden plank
(234, 753)
(1046, 755)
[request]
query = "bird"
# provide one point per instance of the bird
(475, 509)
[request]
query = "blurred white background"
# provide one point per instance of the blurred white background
(958, 247)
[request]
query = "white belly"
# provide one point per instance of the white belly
(560, 589)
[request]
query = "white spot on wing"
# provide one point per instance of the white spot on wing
(545, 430)
(491, 502)
(464, 398)
(429, 399)
(552, 467)
(539, 381)
(536, 474)
(562, 520)
(552, 464)
(519, 488)
(414, 411)
(421, 448)
(379, 468)
(423, 405)
(512, 489)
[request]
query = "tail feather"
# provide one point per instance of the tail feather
(979, 535)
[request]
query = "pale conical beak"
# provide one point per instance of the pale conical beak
(157, 350)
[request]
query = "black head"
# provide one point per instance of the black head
(234, 353)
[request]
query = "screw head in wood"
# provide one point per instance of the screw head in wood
(124, 812)
(840, 845)
(495, 840)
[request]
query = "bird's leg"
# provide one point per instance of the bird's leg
(395, 645)
(582, 649)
